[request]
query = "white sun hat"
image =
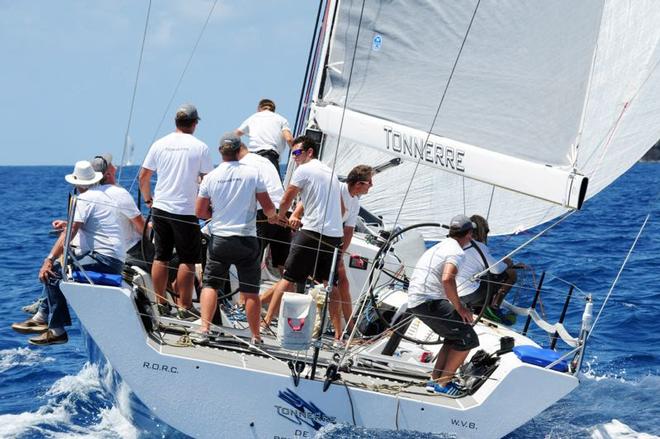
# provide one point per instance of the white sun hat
(83, 174)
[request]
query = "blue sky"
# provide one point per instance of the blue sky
(68, 70)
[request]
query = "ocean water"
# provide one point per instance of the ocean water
(57, 392)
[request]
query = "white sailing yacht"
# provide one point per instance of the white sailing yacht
(519, 111)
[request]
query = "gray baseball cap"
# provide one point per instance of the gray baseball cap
(461, 223)
(187, 112)
(230, 139)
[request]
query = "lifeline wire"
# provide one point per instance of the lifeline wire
(137, 77)
(616, 279)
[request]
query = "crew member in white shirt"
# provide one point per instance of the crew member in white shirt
(322, 232)
(139, 252)
(473, 291)
(229, 195)
(433, 298)
(269, 132)
(358, 182)
(179, 160)
(275, 236)
(95, 220)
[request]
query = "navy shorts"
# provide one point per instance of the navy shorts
(176, 231)
(442, 318)
(305, 255)
(240, 251)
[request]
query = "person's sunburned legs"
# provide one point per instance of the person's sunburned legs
(209, 302)
(246, 251)
(188, 244)
(344, 291)
(299, 264)
(212, 279)
(159, 279)
(164, 244)
(278, 291)
(454, 360)
(511, 278)
(440, 362)
(459, 337)
(185, 282)
(253, 313)
(335, 312)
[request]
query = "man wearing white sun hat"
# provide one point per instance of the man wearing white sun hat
(101, 250)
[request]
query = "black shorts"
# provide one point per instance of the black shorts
(241, 251)
(278, 237)
(477, 298)
(442, 318)
(304, 254)
(176, 231)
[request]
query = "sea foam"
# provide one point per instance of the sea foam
(69, 397)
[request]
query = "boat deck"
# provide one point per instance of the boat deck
(230, 347)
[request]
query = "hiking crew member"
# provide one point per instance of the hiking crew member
(320, 195)
(433, 298)
(269, 132)
(179, 160)
(101, 250)
(358, 183)
(130, 218)
(472, 291)
(277, 237)
(228, 195)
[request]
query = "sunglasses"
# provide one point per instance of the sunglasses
(296, 152)
(369, 183)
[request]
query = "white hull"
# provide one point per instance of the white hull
(248, 395)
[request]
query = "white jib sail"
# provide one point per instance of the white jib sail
(532, 98)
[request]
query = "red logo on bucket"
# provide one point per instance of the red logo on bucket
(296, 327)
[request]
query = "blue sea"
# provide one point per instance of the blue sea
(57, 392)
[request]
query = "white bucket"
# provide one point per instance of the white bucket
(296, 321)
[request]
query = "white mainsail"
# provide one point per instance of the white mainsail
(532, 99)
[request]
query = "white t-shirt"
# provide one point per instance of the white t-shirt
(232, 189)
(178, 159)
(472, 264)
(352, 206)
(98, 212)
(128, 210)
(265, 131)
(268, 174)
(315, 181)
(426, 280)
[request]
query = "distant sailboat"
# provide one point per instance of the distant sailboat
(518, 111)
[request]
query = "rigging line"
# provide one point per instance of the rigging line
(309, 60)
(135, 85)
(618, 275)
(341, 127)
(437, 112)
(183, 73)
(490, 202)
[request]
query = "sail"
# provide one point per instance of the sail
(506, 109)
